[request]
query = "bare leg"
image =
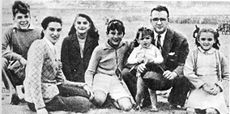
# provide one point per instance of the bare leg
(140, 91)
(153, 98)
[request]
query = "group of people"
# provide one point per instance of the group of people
(88, 73)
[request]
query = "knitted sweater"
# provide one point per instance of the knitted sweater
(19, 42)
(105, 60)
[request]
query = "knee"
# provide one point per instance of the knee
(99, 98)
(211, 111)
(125, 73)
(125, 104)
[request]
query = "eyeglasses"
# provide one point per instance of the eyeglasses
(208, 39)
(157, 19)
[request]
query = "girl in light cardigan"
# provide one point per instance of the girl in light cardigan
(206, 68)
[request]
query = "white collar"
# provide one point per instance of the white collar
(162, 36)
(211, 51)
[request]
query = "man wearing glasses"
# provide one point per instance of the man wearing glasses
(174, 49)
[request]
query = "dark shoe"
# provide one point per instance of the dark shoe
(15, 99)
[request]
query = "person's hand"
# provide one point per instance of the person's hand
(23, 61)
(141, 68)
(169, 75)
(211, 89)
(89, 91)
(42, 111)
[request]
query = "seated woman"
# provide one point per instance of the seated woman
(77, 48)
(44, 74)
(76, 52)
(103, 72)
(206, 68)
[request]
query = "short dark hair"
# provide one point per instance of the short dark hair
(116, 24)
(48, 20)
(160, 8)
(21, 7)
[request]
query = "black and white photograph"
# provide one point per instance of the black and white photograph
(115, 57)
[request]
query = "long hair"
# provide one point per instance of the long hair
(92, 32)
(197, 32)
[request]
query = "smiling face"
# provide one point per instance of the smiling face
(206, 40)
(159, 21)
(115, 37)
(53, 31)
(22, 20)
(82, 25)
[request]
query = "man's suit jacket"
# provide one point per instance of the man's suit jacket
(74, 66)
(174, 51)
(42, 72)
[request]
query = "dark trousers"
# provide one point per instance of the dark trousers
(8, 75)
(74, 100)
(180, 86)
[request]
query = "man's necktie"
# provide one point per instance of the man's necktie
(159, 41)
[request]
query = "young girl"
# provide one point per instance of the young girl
(206, 67)
(143, 54)
(103, 72)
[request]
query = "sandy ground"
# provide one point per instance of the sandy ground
(22, 108)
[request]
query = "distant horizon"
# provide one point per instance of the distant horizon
(176, 7)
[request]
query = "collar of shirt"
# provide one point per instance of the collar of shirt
(211, 51)
(140, 47)
(107, 46)
(31, 27)
(162, 37)
(52, 46)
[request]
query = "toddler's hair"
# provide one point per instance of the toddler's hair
(143, 32)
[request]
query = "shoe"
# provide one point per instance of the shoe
(137, 107)
(190, 111)
(15, 99)
(154, 109)
(176, 107)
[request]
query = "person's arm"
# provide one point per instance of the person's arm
(132, 60)
(65, 57)
(224, 72)
(92, 67)
(182, 53)
(34, 71)
(189, 71)
(6, 42)
(157, 59)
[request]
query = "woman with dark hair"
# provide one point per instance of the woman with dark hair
(44, 75)
(78, 46)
